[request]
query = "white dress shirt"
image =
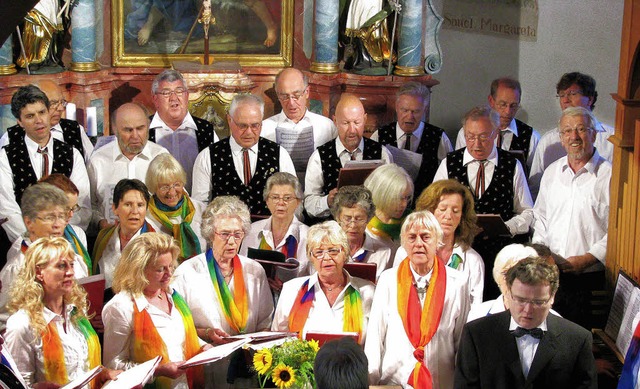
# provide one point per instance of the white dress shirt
(507, 137)
(117, 315)
(572, 209)
(522, 203)
(202, 167)
(388, 349)
(10, 209)
(107, 166)
(376, 252)
(315, 201)
(26, 347)
(527, 346)
(195, 222)
(322, 316)
(182, 143)
(262, 228)
(15, 263)
(550, 150)
(444, 147)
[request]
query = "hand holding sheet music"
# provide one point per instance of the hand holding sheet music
(214, 354)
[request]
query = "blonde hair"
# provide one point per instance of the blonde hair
(27, 292)
(164, 167)
(387, 185)
(140, 253)
(327, 232)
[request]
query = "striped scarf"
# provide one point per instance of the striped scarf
(103, 238)
(147, 343)
(629, 376)
(182, 232)
(289, 249)
(352, 316)
(385, 230)
(55, 370)
(78, 247)
(420, 324)
(234, 306)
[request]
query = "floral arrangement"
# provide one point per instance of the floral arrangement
(288, 364)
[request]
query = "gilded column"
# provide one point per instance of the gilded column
(410, 39)
(6, 58)
(83, 37)
(326, 37)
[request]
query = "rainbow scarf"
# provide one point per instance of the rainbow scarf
(236, 306)
(420, 324)
(103, 238)
(629, 376)
(384, 230)
(147, 343)
(455, 261)
(289, 249)
(55, 370)
(361, 257)
(78, 247)
(352, 316)
(24, 246)
(182, 232)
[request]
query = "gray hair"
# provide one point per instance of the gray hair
(41, 196)
(164, 167)
(579, 111)
(327, 232)
(413, 88)
(506, 258)
(224, 207)
(282, 178)
(425, 219)
(169, 75)
(351, 196)
(482, 111)
(387, 184)
(245, 98)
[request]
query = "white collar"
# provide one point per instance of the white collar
(340, 147)
(237, 149)
(513, 325)
(467, 158)
(187, 122)
(417, 132)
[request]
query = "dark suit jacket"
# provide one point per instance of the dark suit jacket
(488, 356)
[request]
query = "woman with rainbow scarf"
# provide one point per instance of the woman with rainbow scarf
(227, 293)
(49, 336)
(147, 318)
(171, 210)
(330, 300)
(418, 313)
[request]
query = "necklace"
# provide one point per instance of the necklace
(339, 287)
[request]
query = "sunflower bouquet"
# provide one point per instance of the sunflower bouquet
(289, 364)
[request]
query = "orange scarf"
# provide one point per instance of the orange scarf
(421, 324)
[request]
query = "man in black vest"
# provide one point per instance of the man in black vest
(321, 179)
(24, 161)
(412, 133)
(68, 131)
(497, 180)
(173, 127)
(240, 164)
(513, 135)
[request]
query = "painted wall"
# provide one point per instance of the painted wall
(573, 35)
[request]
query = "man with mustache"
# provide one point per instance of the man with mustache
(572, 212)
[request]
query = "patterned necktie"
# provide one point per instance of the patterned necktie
(45, 161)
(535, 332)
(480, 178)
(407, 142)
(246, 166)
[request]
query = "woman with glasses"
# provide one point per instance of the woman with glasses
(147, 318)
(352, 208)
(282, 231)
(45, 214)
(171, 210)
(227, 293)
(330, 300)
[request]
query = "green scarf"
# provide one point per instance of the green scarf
(182, 232)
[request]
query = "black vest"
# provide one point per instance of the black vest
(330, 162)
(23, 173)
(225, 179)
(498, 196)
(70, 134)
(204, 133)
(428, 147)
(523, 140)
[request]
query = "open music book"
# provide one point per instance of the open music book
(138, 375)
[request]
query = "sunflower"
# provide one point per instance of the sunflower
(283, 376)
(262, 361)
(314, 345)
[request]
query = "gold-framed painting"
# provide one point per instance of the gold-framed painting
(154, 33)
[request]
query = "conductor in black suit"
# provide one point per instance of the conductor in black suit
(526, 347)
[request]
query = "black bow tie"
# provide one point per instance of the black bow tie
(535, 332)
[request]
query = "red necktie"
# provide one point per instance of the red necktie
(352, 155)
(246, 166)
(480, 179)
(45, 162)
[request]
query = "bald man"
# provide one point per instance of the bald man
(321, 179)
(129, 157)
(68, 131)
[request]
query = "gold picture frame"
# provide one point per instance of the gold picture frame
(236, 36)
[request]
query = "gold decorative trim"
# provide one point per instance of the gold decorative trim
(6, 70)
(319, 67)
(84, 66)
(409, 71)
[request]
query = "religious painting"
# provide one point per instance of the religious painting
(158, 32)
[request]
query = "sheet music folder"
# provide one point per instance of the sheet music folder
(493, 225)
(355, 172)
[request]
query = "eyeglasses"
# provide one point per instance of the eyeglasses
(75, 208)
(569, 94)
(166, 93)
(346, 221)
(523, 302)
(478, 138)
(295, 96)
(176, 185)
(504, 104)
(285, 199)
(54, 104)
(50, 219)
(579, 130)
(333, 252)
(237, 235)
(244, 127)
